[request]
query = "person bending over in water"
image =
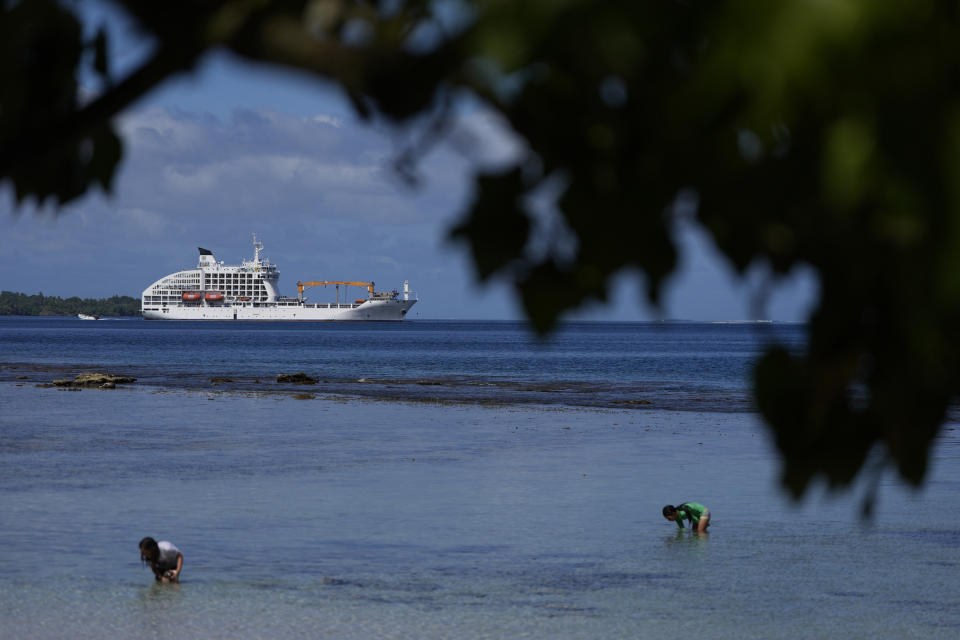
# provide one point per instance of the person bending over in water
(696, 513)
(164, 559)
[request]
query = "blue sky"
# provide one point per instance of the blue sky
(236, 149)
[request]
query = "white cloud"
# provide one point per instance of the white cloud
(190, 180)
(157, 131)
(149, 224)
(486, 139)
(331, 120)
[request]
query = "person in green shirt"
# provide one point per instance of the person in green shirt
(696, 513)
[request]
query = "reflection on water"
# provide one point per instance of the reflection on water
(160, 609)
(686, 537)
(162, 595)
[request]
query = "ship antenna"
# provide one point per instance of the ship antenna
(257, 246)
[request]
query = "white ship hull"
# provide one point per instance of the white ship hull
(249, 291)
(373, 310)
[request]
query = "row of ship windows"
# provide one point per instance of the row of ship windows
(233, 285)
(215, 276)
(179, 293)
(242, 288)
(195, 282)
(233, 276)
(230, 294)
(178, 297)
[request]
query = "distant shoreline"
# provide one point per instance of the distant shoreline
(20, 304)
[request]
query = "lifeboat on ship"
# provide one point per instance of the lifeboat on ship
(191, 296)
(213, 296)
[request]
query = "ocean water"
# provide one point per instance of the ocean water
(443, 479)
(669, 365)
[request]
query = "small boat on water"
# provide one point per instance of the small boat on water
(84, 316)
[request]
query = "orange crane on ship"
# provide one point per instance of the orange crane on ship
(303, 285)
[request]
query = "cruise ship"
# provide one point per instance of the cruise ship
(249, 291)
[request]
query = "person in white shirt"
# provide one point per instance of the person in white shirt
(164, 559)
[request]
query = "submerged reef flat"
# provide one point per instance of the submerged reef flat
(453, 389)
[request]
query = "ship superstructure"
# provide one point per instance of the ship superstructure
(250, 291)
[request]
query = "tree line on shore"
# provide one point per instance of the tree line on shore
(21, 304)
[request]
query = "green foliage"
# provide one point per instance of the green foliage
(46, 149)
(20, 304)
(809, 133)
(816, 133)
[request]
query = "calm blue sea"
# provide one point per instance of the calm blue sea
(442, 479)
(668, 365)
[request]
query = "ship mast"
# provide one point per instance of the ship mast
(257, 247)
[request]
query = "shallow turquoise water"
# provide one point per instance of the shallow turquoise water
(354, 518)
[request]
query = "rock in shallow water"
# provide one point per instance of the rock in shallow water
(94, 379)
(296, 378)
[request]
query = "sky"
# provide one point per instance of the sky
(236, 149)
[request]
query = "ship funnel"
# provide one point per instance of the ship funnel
(206, 258)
